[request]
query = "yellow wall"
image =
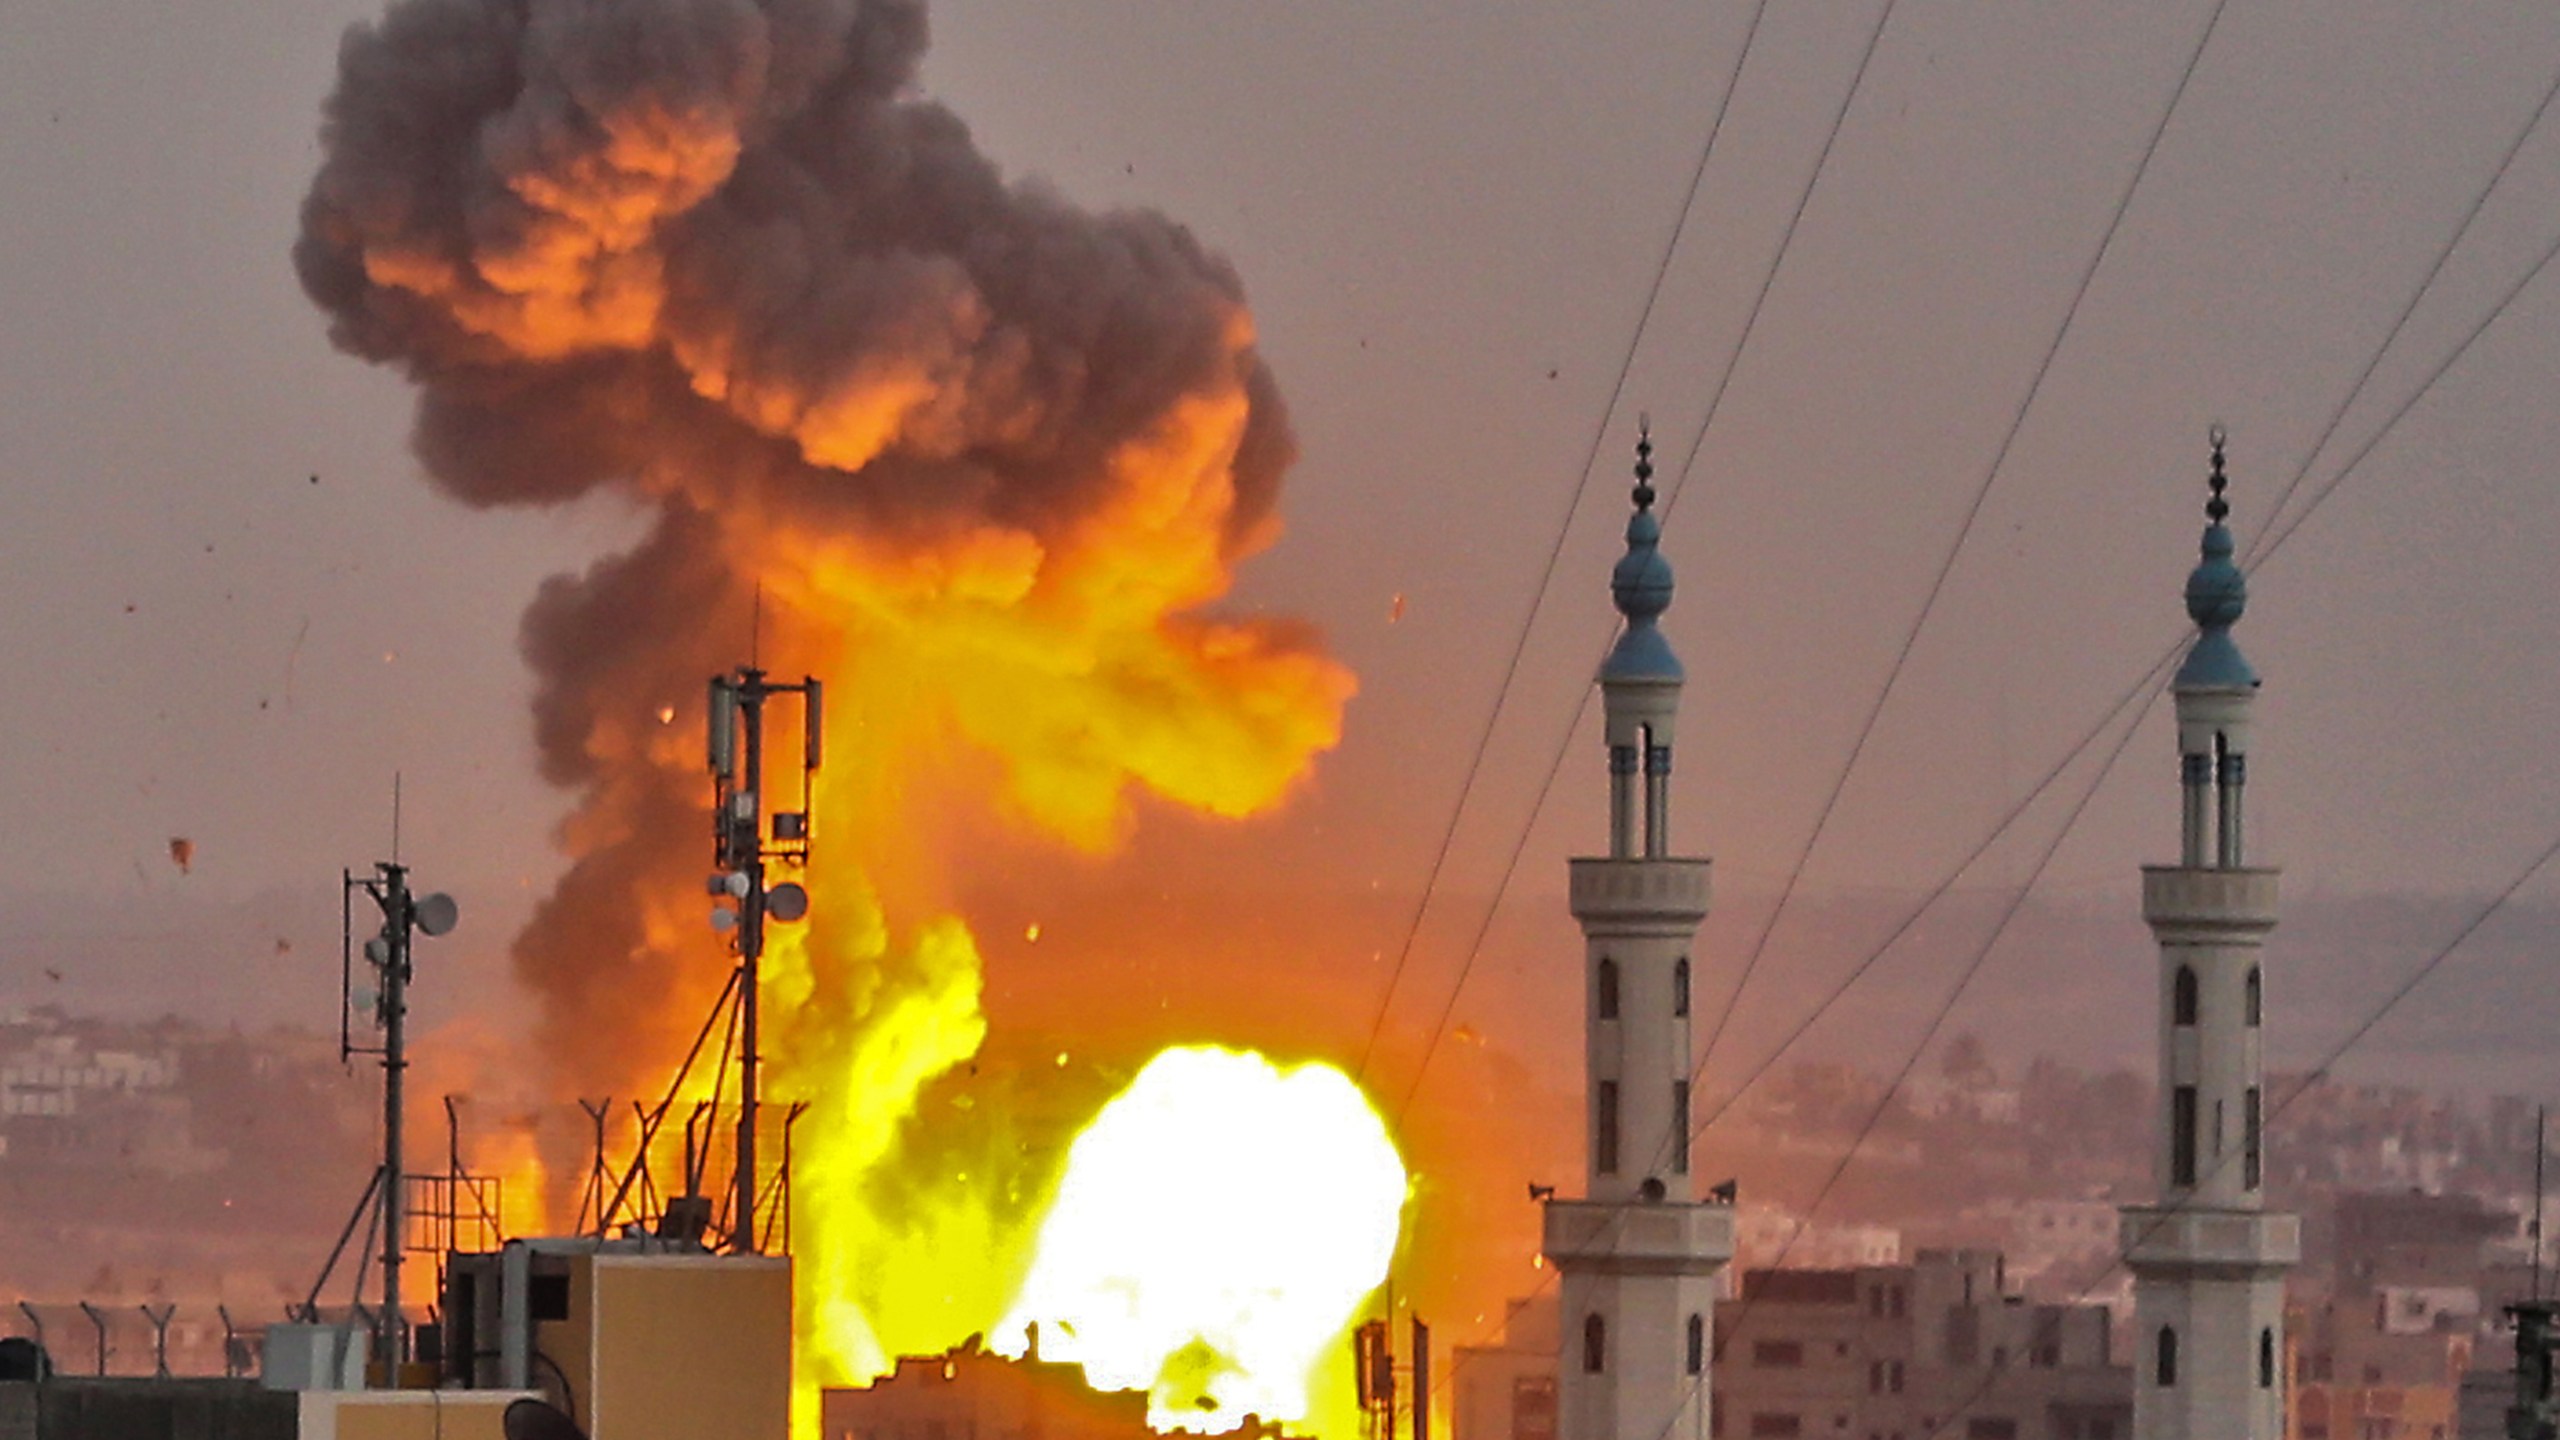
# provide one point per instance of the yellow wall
(684, 1347)
(405, 1414)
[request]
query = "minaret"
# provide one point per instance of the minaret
(2208, 1261)
(1638, 1255)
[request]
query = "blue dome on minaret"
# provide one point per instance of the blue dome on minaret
(1641, 585)
(2217, 594)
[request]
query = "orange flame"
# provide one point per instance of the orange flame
(982, 459)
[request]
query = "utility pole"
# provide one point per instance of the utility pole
(742, 844)
(388, 952)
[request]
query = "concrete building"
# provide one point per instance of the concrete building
(1507, 1391)
(1935, 1348)
(1938, 1347)
(1637, 1255)
(2208, 1260)
(972, 1393)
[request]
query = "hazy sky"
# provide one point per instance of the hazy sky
(233, 610)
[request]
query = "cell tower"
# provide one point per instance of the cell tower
(387, 952)
(742, 845)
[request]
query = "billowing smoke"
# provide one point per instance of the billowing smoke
(985, 455)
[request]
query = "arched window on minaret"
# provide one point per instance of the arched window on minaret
(2164, 1359)
(2255, 1001)
(1697, 1345)
(2267, 1358)
(2182, 1136)
(1679, 1127)
(1605, 1003)
(1595, 1344)
(1680, 987)
(2183, 1003)
(2252, 1149)
(1604, 1129)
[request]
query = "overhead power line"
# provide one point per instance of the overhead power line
(1964, 532)
(1671, 495)
(1564, 528)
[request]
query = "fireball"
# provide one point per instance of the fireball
(1218, 1227)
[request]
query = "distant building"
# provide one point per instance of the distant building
(1762, 1233)
(1934, 1348)
(1937, 1347)
(1507, 1391)
(972, 1393)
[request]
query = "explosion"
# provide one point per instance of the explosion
(1217, 1225)
(978, 457)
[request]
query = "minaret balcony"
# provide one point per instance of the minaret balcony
(2206, 903)
(1638, 1237)
(1640, 894)
(2194, 1239)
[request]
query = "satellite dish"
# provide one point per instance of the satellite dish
(534, 1420)
(436, 913)
(736, 883)
(378, 950)
(723, 919)
(786, 902)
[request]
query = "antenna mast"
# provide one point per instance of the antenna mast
(742, 843)
(387, 951)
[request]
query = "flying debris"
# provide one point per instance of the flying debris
(182, 852)
(883, 412)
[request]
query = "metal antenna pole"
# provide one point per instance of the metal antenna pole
(391, 1338)
(751, 695)
(2540, 1118)
(737, 759)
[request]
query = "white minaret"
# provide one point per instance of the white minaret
(1638, 1256)
(2208, 1261)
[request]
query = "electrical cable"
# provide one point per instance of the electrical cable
(1546, 579)
(1964, 532)
(2138, 695)
(1671, 496)
(2163, 1214)
(2263, 551)
(2451, 357)
(1946, 1007)
(2452, 242)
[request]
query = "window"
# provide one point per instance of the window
(2267, 1358)
(1895, 1382)
(2165, 1358)
(1604, 1129)
(1595, 1344)
(2255, 1000)
(1680, 987)
(2182, 1001)
(1697, 1345)
(1680, 1126)
(2250, 1165)
(2182, 1136)
(1776, 1425)
(1777, 1354)
(1894, 1302)
(1604, 1004)
(1875, 1377)
(1533, 1406)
